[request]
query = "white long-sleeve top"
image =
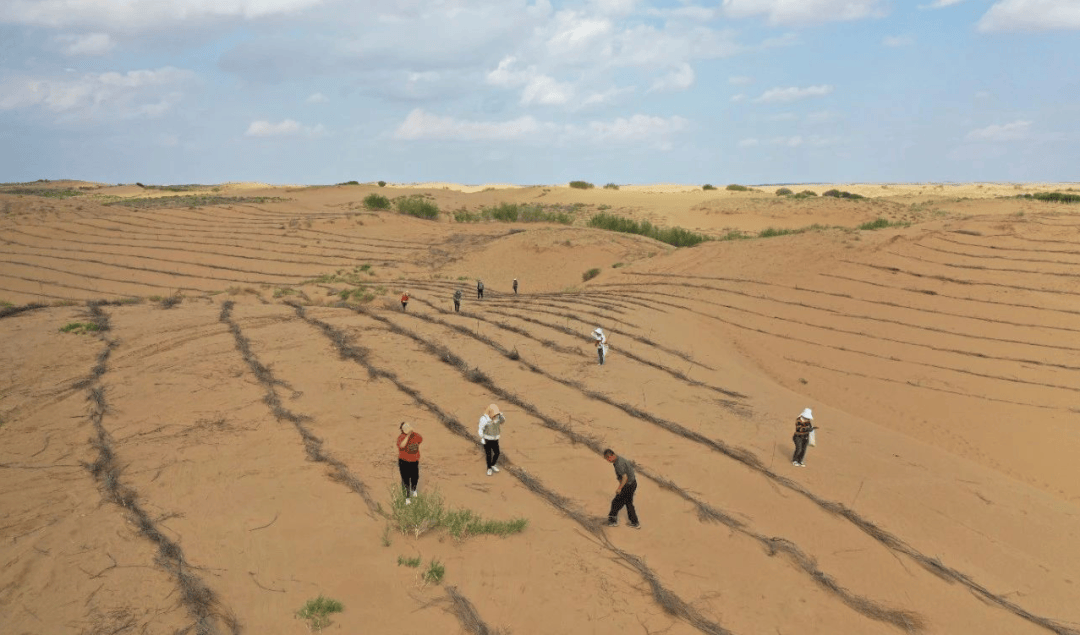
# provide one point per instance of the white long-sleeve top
(482, 431)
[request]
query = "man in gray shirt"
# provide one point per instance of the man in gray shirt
(624, 493)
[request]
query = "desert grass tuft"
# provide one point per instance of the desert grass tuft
(408, 562)
(590, 274)
(435, 572)
(317, 612)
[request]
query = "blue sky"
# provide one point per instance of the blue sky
(539, 91)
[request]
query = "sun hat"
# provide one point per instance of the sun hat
(598, 331)
(492, 411)
(806, 414)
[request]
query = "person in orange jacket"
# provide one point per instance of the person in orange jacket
(408, 447)
(404, 300)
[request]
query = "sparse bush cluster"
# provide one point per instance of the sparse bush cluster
(382, 183)
(41, 191)
(840, 194)
(376, 201)
(417, 206)
(734, 187)
(582, 185)
(1053, 197)
(80, 328)
(882, 223)
(784, 192)
(708, 186)
(516, 213)
(317, 612)
(611, 186)
(590, 274)
(427, 512)
(196, 200)
(676, 236)
(350, 183)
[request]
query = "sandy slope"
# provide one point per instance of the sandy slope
(250, 440)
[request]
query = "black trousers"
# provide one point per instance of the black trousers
(491, 451)
(479, 294)
(403, 305)
(801, 443)
(625, 498)
(600, 354)
(457, 306)
(410, 474)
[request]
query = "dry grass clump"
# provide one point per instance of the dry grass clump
(317, 612)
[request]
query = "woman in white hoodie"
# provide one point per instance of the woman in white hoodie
(601, 344)
(490, 430)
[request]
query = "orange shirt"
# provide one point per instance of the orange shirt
(412, 448)
(404, 297)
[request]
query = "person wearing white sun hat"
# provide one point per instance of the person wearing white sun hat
(804, 426)
(601, 344)
(490, 430)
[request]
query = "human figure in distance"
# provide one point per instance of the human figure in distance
(804, 425)
(515, 286)
(601, 344)
(408, 447)
(490, 430)
(479, 289)
(457, 301)
(624, 493)
(404, 300)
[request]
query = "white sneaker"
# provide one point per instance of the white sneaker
(408, 500)
(414, 494)
(489, 471)
(794, 462)
(802, 464)
(495, 467)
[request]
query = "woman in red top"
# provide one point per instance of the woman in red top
(408, 446)
(404, 300)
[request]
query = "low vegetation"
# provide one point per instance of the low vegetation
(435, 572)
(735, 187)
(582, 185)
(805, 194)
(840, 194)
(79, 328)
(427, 512)
(708, 186)
(376, 201)
(408, 562)
(784, 192)
(317, 612)
(1053, 197)
(350, 183)
(516, 213)
(882, 223)
(382, 183)
(772, 232)
(676, 236)
(417, 206)
(361, 295)
(348, 276)
(590, 274)
(611, 186)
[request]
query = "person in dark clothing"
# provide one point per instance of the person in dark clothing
(804, 425)
(479, 289)
(457, 301)
(624, 493)
(515, 286)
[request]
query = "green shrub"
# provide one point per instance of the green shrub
(382, 183)
(806, 194)
(435, 572)
(708, 186)
(427, 512)
(611, 186)
(590, 274)
(465, 216)
(582, 185)
(516, 213)
(417, 206)
(408, 562)
(1053, 197)
(350, 183)
(376, 201)
(839, 194)
(882, 223)
(734, 187)
(784, 192)
(676, 236)
(80, 327)
(317, 612)
(617, 265)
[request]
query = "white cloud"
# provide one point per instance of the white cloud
(678, 79)
(546, 91)
(737, 98)
(142, 93)
(740, 81)
(895, 41)
(1031, 15)
(783, 116)
(797, 141)
(87, 44)
(419, 125)
(803, 11)
(793, 93)
(940, 4)
(749, 143)
(317, 98)
(285, 128)
(1015, 131)
(135, 14)
(608, 96)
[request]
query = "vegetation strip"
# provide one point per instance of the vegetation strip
(905, 619)
(671, 603)
(933, 565)
(8, 311)
(198, 598)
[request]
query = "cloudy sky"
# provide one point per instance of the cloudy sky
(539, 91)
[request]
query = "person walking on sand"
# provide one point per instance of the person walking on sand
(404, 300)
(624, 493)
(490, 429)
(515, 286)
(479, 289)
(408, 447)
(601, 344)
(457, 301)
(804, 425)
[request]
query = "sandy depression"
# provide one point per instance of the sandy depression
(216, 448)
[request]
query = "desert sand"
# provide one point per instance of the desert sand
(216, 447)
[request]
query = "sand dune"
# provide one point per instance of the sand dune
(215, 448)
